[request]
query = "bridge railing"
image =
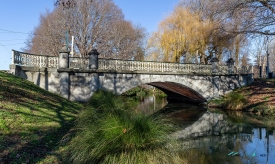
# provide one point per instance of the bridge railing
(78, 62)
(26, 59)
(148, 66)
(243, 70)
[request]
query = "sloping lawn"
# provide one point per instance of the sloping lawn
(258, 98)
(32, 121)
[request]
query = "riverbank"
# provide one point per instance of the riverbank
(258, 100)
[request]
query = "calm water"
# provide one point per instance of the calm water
(207, 137)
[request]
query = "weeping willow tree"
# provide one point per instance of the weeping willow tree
(182, 34)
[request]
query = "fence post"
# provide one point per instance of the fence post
(93, 59)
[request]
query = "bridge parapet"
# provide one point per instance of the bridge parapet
(44, 61)
(34, 60)
(149, 66)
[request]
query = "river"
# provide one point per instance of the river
(214, 137)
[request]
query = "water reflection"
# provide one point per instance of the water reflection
(207, 137)
(151, 105)
(218, 140)
(231, 148)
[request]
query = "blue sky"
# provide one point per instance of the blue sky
(19, 17)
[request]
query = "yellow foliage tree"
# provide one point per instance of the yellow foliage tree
(183, 33)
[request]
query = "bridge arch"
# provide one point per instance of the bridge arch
(178, 92)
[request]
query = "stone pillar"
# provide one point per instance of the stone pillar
(215, 66)
(93, 64)
(230, 64)
(93, 60)
(64, 76)
(216, 86)
(94, 83)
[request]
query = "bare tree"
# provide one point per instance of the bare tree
(94, 24)
(254, 16)
(48, 37)
(124, 40)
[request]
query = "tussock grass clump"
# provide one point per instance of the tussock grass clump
(234, 101)
(109, 132)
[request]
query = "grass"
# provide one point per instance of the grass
(32, 121)
(234, 101)
(231, 101)
(108, 131)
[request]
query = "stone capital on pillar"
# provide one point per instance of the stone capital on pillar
(93, 59)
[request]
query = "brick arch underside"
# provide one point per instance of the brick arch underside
(178, 92)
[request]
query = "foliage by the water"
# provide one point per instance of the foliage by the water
(32, 121)
(140, 92)
(108, 131)
(231, 101)
(234, 101)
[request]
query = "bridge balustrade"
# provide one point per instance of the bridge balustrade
(149, 66)
(77, 62)
(34, 60)
(26, 59)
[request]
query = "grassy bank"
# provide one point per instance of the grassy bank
(258, 98)
(32, 121)
(37, 126)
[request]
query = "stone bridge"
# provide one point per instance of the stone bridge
(78, 78)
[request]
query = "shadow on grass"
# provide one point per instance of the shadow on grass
(36, 145)
(33, 121)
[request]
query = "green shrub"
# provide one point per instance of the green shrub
(140, 92)
(109, 132)
(234, 101)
